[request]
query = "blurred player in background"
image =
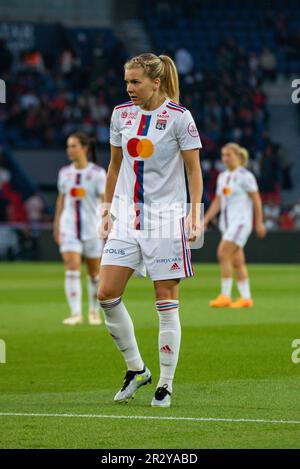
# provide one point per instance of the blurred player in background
(236, 196)
(81, 186)
(152, 139)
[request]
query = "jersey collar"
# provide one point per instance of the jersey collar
(155, 111)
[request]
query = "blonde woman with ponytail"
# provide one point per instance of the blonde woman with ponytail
(152, 139)
(237, 197)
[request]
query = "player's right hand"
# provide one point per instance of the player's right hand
(104, 226)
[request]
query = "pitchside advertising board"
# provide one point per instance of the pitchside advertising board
(24, 36)
(51, 39)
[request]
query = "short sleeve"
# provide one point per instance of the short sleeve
(249, 183)
(61, 183)
(187, 133)
(115, 135)
(101, 181)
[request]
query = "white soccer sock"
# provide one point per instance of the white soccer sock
(244, 288)
(92, 284)
(73, 291)
(226, 286)
(120, 326)
(168, 340)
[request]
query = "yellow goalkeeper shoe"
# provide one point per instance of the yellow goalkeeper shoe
(242, 303)
(221, 301)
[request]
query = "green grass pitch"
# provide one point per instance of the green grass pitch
(234, 365)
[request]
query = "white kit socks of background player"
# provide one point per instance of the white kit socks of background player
(73, 291)
(92, 284)
(243, 287)
(226, 286)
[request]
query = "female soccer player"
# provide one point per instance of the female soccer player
(152, 138)
(81, 186)
(237, 195)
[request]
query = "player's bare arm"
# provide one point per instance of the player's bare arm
(111, 181)
(260, 228)
(195, 182)
(60, 201)
(212, 211)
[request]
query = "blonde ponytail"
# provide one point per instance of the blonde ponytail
(244, 156)
(171, 81)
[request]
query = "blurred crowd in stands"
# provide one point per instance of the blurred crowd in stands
(20, 220)
(281, 218)
(13, 208)
(49, 100)
(230, 105)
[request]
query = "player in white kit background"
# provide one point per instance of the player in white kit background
(152, 138)
(81, 186)
(238, 199)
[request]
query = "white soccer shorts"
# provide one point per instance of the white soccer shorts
(237, 234)
(164, 251)
(90, 248)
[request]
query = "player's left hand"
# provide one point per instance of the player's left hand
(104, 226)
(261, 230)
(193, 228)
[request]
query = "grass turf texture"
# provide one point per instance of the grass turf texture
(234, 364)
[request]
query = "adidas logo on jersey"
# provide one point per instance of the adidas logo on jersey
(175, 266)
(128, 122)
(166, 349)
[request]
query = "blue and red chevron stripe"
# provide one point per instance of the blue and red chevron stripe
(127, 104)
(187, 261)
(175, 107)
(78, 209)
(138, 167)
(166, 305)
(144, 125)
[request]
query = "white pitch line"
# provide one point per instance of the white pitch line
(150, 417)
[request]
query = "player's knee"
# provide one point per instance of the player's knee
(163, 293)
(237, 263)
(106, 293)
(222, 254)
(94, 275)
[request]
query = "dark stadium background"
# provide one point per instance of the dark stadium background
(62, 64)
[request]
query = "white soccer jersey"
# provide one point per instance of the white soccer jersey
(236, 206)
(151, 186)
(81, 188)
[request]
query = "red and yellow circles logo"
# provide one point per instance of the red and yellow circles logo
(143, 148)
(78, 192)
(227, 191)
